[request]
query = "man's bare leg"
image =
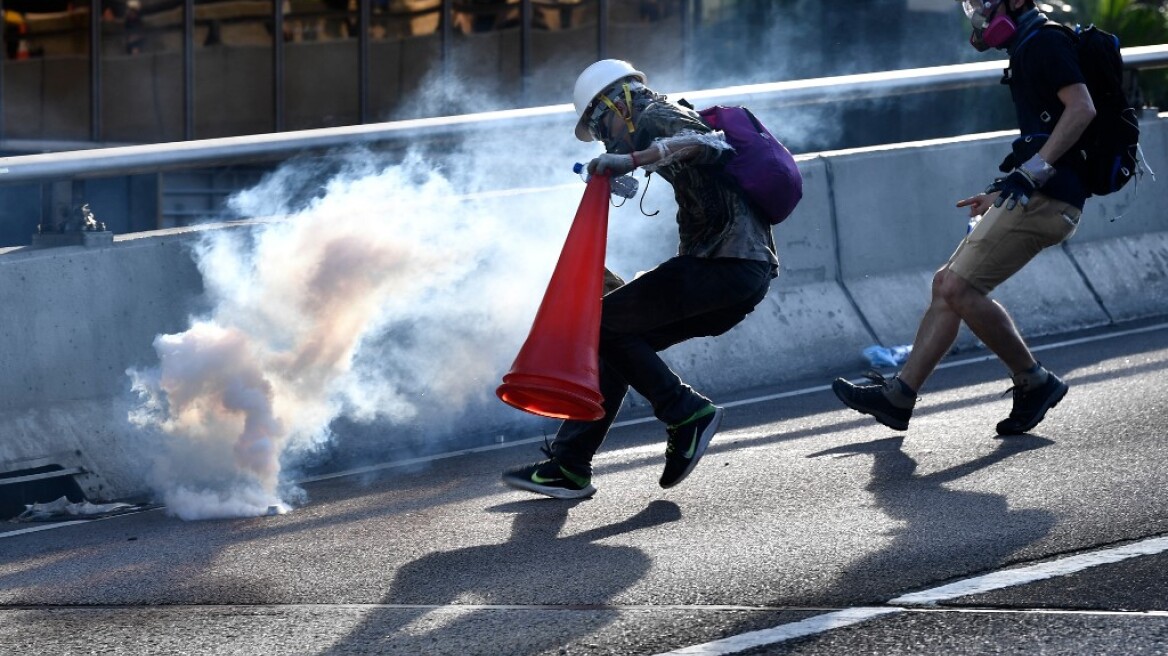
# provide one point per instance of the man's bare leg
(989, 321)
(891, 401)
(935, 336)
(953, 300)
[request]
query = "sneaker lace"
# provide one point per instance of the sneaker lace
(671, 443)
(1018, 391)
(547, 448)
(875, 376)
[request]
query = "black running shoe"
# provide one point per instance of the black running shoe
(550, 479)
(870, 400)
(1030, 406)
(687, 443)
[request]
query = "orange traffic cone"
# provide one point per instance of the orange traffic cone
(22, 51)
(557, 372)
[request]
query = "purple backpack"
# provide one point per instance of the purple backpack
(762, 166)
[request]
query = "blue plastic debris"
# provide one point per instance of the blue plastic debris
(884, 356)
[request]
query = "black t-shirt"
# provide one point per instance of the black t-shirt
(1045, 61)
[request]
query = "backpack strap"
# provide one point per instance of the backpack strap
(1044, 114)
(1072, 32)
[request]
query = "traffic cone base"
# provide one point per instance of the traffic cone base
(551, 397)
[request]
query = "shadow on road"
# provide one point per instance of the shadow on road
(435, 603)
(955, 531)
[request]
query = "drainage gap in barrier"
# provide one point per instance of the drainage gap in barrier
(25, 487)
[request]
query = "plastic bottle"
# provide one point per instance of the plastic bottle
(624, 186)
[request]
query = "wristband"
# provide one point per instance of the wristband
(1038, 170)
(633, 156)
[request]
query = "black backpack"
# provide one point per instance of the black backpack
(1108, 152)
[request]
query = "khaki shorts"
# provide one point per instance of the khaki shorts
(1005, 240)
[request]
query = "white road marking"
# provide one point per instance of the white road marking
(1022, 575)
(783, 632)
(45, 527)
(985, 583)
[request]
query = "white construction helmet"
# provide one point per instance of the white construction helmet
(595, 79)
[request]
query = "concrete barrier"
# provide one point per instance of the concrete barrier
(857, 258)
(1121, 247)
(903, 224)
(75, 319)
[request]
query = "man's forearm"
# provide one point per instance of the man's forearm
(1078, 112)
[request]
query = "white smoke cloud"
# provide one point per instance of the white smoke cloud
(386, 290)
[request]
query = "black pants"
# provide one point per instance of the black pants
(684, 297)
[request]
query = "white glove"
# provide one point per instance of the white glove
(611, 164)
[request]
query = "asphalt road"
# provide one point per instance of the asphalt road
(807, 529)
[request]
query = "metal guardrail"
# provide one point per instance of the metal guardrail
(124, 160)
(61, 172)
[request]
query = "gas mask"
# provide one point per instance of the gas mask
(988, 33)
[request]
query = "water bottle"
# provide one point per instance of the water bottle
(624, 186)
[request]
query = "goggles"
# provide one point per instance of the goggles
(603, 103)
(979, 11)
(596, 126)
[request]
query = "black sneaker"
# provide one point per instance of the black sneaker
(1030, 406)
(550, 479)
(687, 443)
(870, 400)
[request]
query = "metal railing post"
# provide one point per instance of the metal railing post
(188, 63)
(525, 22)
(3, 58)
(278, 65)
(94, 71)
(602, 30)
(687, 37)
(447, 26)
(364, 21)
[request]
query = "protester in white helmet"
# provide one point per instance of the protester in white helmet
(723, 268)
(1037, 204)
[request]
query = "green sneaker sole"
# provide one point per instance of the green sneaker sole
(548, 490)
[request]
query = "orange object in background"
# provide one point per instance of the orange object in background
(557, 372)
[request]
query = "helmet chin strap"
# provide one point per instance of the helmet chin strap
(627, 117)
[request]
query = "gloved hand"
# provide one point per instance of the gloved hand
(611, 164)
(1008, 164)
(1018, 186)
(1013, 189)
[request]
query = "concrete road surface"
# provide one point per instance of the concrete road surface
(806, 529)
